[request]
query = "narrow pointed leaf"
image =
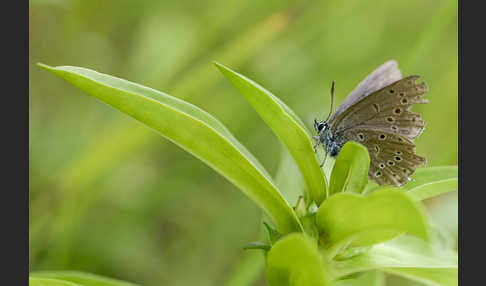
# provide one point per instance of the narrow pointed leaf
(273, 234)
(350, 171)
(192, 129)
(287, 126)
(430, 182)
(295, 261)
(257, 245)
(366, 220)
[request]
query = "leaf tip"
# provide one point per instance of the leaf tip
(44, 66)
(221, 67)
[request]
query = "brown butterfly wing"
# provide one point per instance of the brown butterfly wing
(392, 156)
(383, 122)
(382, 76)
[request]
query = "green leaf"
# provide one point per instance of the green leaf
(351, 251)
(273, 234)
(430, 182)
(441, 276)
(192, 129)
(287, 126)
(350, 172)
(443, 241)
(295, 261)
(404, 256)
(372, 278)
(301, 208)
(288, 177)
(370, 187)
(365, 220)
(35, 281)
(81, 278)
(309, 223)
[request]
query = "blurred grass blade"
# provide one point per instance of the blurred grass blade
(78, 278)
(350, 172)
(287, 126)
(193, 130)
(366, 220)
(437, 25)
(296, 261)
(247, 270)
(406, 257)
(35, 281)
(430, 182)
(235, 52)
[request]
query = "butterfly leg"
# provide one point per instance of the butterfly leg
(323, 161)
(316, 144)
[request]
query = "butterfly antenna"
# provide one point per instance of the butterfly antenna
(332, 100)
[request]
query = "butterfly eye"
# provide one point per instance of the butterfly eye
(318, 126)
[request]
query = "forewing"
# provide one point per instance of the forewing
(384, 75)
(387, 109)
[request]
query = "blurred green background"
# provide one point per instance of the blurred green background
(109, 196)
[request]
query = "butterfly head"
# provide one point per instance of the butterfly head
(320, 126)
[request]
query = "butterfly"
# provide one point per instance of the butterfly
(377, 115)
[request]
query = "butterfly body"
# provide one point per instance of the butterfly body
(332, 143)
(377, 115)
